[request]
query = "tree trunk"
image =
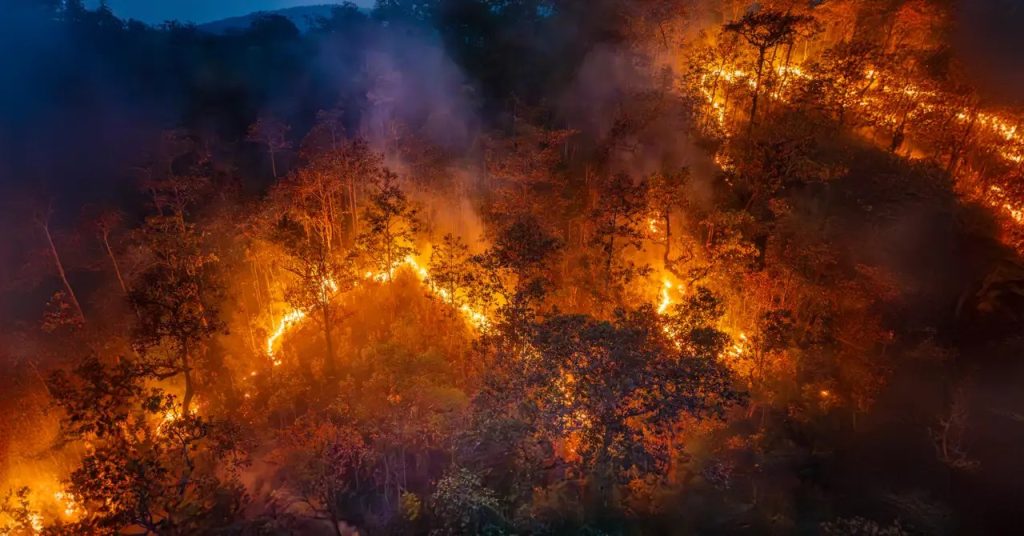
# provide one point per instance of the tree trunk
(711, 100)
(329, 364)
(757, 91)
(388, 256)
(959, 146)
(113, 260)
(352, 207)
(186, 400)
(608, 265)
(667, 254)
(61, 272)
(273, 162)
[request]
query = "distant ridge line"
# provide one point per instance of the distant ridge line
(301, 16)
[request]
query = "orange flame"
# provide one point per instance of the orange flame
(294, 317)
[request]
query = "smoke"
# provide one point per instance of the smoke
(68, 116)
(622, 101)
(414, 83)
(988, 37)
(413, 103)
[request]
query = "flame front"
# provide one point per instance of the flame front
(1005, 129)
(476, 318)
(666, 296)
(287, 322)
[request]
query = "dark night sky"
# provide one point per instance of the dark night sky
(200, 11)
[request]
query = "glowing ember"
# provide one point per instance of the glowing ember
(738, 348)
(168, 418)
(653, 225)
(1001, 200)
(67, 501)
(666, 297)
(36, 521)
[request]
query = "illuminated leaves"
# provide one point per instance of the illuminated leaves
(17, 518)
(462, 505)
(620, 223)
(391, 226)
(611, 381)
(452, 271)
(145, 462)
(97, 398)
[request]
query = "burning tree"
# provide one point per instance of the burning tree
(452, 270)
(148, 464)
(42, 219)
(764, 30)
(542, 385)
(842, 77)
(320, 275)
(665, 195)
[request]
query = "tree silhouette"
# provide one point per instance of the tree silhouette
(764, 30)
(391, 226)
(273, 135)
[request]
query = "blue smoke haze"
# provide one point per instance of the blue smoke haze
(202, 11)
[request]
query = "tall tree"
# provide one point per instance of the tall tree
(619, 222)
(392, 224)
(609, 383)
(147, 465)
(764, 30)
(105, 224)
(665, 196)
(272, 134)
(42, 219)
(320, 275)
(451, 270)
(176, 297)
(357, 168)
(842, 76)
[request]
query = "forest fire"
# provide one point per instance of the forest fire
(295, 317)
(666, 296)
(621, 267)
(67, 501)
(873, 100)
(287, 322)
